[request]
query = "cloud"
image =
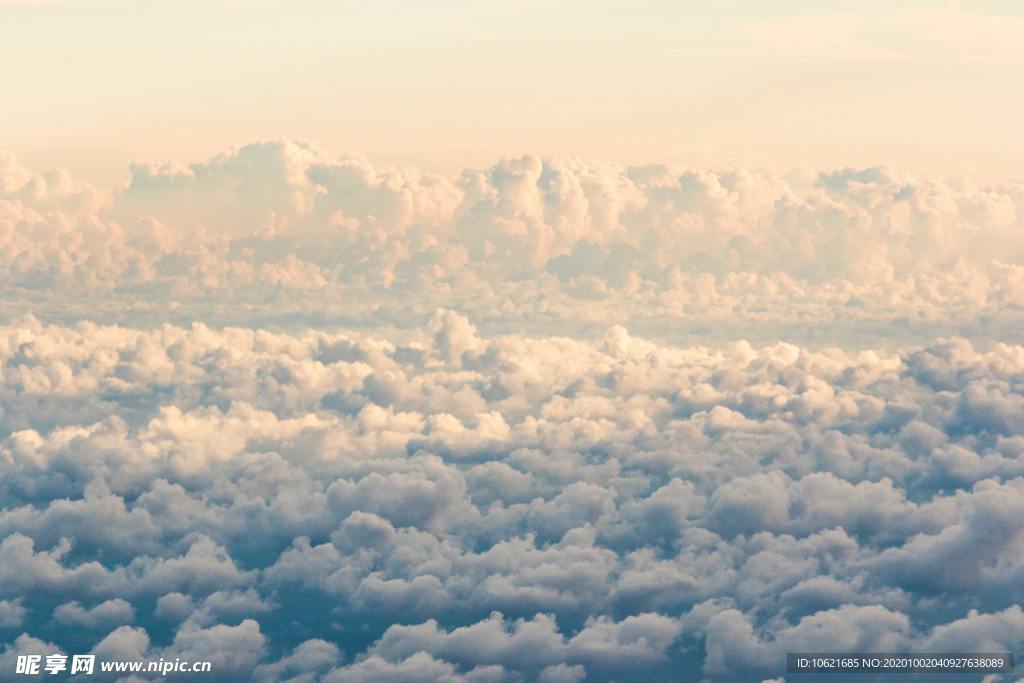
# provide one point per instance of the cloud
(443, 503)
(106, 613)
(550, 419)
(230, 649)
(283, 232)
(307, 662)
(11, 613)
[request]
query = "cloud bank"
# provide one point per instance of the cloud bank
(447, 505)
(283, 234)
(551, 420)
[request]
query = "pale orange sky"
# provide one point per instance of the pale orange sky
(92, 85)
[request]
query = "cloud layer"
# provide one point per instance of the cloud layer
(284, 234)
(320, 421)
(443, 504)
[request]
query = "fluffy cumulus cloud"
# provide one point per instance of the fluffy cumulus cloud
(313, 420)
(446, 505)
(280, 232)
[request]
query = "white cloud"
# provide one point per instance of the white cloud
(554, 244)
(440, 502)
(442, 440)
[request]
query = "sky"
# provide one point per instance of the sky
(93, 85)
(512, 341)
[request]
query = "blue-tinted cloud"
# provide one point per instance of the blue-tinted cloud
(438, 503)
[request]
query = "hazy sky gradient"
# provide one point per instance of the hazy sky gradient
(93, 85)
(364, 342)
